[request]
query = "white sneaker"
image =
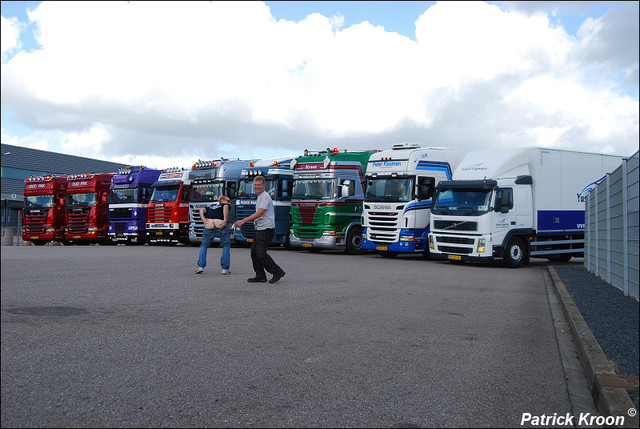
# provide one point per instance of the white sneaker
(199, 270)
(225, 272)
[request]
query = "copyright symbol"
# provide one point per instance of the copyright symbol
(632, 412)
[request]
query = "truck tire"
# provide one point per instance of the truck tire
(427, 253)
(354, 241)
(515, 254)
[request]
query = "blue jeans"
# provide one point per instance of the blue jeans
(207, 238)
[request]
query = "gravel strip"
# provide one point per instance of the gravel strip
(611, 316)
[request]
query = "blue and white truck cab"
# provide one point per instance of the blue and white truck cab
(397, 201)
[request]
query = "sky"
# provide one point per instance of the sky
(165, 84)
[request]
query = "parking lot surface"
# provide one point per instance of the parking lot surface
(127, 336)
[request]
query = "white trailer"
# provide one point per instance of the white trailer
(397, 201)
(512, 204)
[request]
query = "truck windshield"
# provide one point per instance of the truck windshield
(391, 189)
(464, 202)
(165, 193)
(38, 201)
(124, 195)
(84, 199)
(207, 192)
(246, 189)
(313, 189)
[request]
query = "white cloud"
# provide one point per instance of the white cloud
(10, 38)
(186, 80)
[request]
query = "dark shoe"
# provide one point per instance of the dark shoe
(277, 277)
(257, 280)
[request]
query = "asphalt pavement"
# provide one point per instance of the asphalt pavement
(126, 336)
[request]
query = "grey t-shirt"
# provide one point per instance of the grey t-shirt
(268, 219)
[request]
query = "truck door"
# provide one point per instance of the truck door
(504, 214)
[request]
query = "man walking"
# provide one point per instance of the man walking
(265, 224)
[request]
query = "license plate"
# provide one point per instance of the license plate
(35, 237)
(120, 235)
(158, 232)
(382, 248)
(306, 244)
(249, 240)
(77, 236)
(455, 257)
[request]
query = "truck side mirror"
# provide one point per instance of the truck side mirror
(345, 188)
(104, 198)
(62, 202)
(425, 187)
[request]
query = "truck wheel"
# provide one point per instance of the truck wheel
(287, 243)
(427, 253)
(354, 241)
(515, 253)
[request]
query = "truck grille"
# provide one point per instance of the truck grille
(35, 223)
(456, 225)
(196, 223)
(383, 227)
(456, 240)
(451, 249)
(121, 213)
(242, 211)
(159, 214)
(308, 233)
(77, 221)
(119, 227)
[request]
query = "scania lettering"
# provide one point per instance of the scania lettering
(168, 212)
(210, 181)
(43, 213)
(397, 201)
(326, 206)
(508, 205)
(279, 184)
(88, 208)
(128, 203)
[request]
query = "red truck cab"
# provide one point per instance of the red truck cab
(43, 213)
(88, 208)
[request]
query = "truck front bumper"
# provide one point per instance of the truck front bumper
(324, 242)
(418, 245)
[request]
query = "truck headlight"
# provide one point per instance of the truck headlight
(133, 228)
(407, 238)
(431, 243)
(328, 233)
(482, 242)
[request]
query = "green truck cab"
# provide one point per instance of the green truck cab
(326, 205)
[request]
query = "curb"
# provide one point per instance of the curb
(609, 401)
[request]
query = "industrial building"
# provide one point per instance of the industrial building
(18, 163)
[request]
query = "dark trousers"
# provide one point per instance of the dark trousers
(262, 261)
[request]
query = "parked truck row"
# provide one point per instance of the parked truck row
(502, 205)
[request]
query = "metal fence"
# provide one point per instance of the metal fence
(611, 228)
